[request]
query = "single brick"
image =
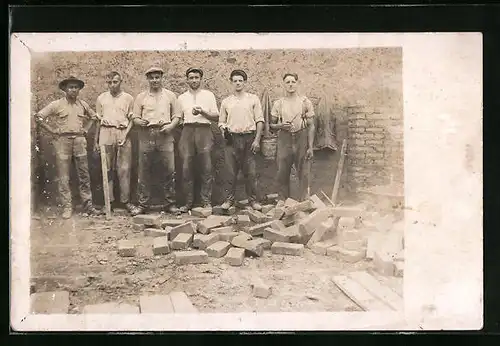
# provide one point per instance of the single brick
(243, 204)
(182, 241)
(320, 248)
(261, 290)
(319, 234)
(190, 257)
(235, 256)
(155, 232)
(138, 227)
(271, 212)
(257, 217)
(56, 302)
(217, 210)
(317, 203)
(161, 246)
(240, 241)
(148, 220)
(243, 220)
(228, 236)
(349, 256)
(384, 263)
(272, 197)
(259, 229)
(188, 228)
(182, 303)
(346, 223)
(354, 211)
(290, 202)
(213, 221)
(275, 235)
(292, 249)
(126, 248)
(349, 235)
(155, 304)
(176, 222)
(230, 211)
(111, 308)
(208, 240)
(279, 212)
(295, 208)
(225, 229)
(197, 240)
(399, 268)
(245, 235)
(266, 244)
(218, 249)
(309, 224)
(359, 244)
(201, 212)
(266, 208)
(254, 248)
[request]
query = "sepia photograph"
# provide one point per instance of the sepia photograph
(256, 178)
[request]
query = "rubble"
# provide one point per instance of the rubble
(182, 241)
(320, 248)
(147, 220)
(161, 246)
(235, 256)
(317, 203)
(190, 257)
(218, 249)
(274, 235)
(320, 233)
(155, 232)
(292, 249)
(345, 255)
(261, 290)
(126, 248)
(187, 227)
(201, 212)
(214, 221)
(208, 239)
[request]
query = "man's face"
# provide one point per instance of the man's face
(194, 80)
(290, 84)
(155, 79)
(72, 89)
(238, 83)
(114, 83)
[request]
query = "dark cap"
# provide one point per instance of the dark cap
(63, 83)
(194, 69)
(238, 73)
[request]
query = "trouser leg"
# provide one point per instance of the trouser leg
(124, 166)
(144, 172)
(167, 157)
(82, 168)
(186, 153)
(249, 168)
(284, 161)
(204, 144)
(64, 151)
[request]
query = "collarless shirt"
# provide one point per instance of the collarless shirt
(293, 110)
(116, 110)
(241, 114)
(156, 107)
(203, 98)
(69, 117)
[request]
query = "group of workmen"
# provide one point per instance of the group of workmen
(156, 112)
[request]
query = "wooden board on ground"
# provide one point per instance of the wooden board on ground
(181, 303)
(358, 294)
(376, 288)
(105, 182)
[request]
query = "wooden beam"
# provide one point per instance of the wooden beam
(340, 168)
(375, 287)
(105, 182)
(358, 294)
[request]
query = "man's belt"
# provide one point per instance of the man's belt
(197, 124)
(242, 133)
(72, 134)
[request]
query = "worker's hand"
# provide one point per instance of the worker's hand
(309, 153)
(255, 146)
(287, 126)
(140, 122)
(96, 147)
(122, 141)
(166, 128)
(55, 132)
(105, 122)
(222, 127)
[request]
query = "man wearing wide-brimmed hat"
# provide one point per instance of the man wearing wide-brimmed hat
(199, 109)
(69, 120)
(156, 115)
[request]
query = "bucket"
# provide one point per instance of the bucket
(268, 147)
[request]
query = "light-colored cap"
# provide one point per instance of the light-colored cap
(154, 69)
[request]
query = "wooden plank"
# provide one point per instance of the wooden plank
(156, 304)
(181, 303)
(375, 287)
(358, 294)
(340, 168)
(105, 182)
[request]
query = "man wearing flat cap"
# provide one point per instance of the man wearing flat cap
(198, 110)
(156, 115)
(242, 120)
(69, 120)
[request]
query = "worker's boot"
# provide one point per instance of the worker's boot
(226, 205)
(67, 212)
(256, 205)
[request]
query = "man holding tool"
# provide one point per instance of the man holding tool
(156, 114)
(241, 122)
(293, 117)
(69, 119)
(114, 110)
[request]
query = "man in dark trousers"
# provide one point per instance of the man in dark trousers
(69, 120)
(156, 115)
(199, 109)
(293, 117)
(241, 122)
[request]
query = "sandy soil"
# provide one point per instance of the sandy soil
(80, 255)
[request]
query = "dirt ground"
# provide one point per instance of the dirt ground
(80, 255)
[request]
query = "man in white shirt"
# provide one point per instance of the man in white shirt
(156, 114)
(114, 110)
(293, 117)
(242, 121)
(198, 109)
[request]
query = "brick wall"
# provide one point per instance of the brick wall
(358, 82)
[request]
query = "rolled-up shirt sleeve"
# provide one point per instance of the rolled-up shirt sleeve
(257, 111)
(89, 112)
(213, 104)
(137, 110)
(46, 111)
(98, 107)
(275, 110)
(175, 108)
(130, 108)
(309, 108)
(223, 113)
